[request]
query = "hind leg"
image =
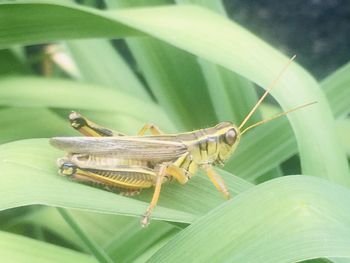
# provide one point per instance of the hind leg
(89, 128)
(165, 169)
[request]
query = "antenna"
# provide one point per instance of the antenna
(276, 116)
(268, 89)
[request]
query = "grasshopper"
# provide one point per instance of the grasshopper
(129, 164)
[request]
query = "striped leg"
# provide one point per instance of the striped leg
(127, 182)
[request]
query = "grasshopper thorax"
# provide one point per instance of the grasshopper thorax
(214, 145)
(228, 138)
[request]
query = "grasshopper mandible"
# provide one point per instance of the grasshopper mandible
(131, 163)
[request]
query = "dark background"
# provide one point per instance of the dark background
(317, 31)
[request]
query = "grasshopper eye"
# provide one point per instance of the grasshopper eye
(230, 137)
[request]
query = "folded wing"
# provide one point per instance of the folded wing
(122, 147)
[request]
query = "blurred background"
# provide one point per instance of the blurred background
(318, 31)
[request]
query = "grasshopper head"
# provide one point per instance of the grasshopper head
(229, 137)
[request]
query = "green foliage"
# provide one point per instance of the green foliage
(187, 67)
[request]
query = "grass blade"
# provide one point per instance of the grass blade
(309, 214)
(15, 248)
(337, 86)
(98, 252)
(51, 21)
(28, 124)
(232, 95)
(100, 63)
(31, 92)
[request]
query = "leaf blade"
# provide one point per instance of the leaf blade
(35, 251)
(300, 210)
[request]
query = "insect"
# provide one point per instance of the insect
(129, 164)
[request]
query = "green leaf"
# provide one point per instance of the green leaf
(176, 81)
(51, 21)
(32, 92)
(134, 242)
(100, 63)
(232, 95)
(144, 257)
(15, 248)
(337, 85)
(89, 243)
(310, 215)
(27, 123)
(9, 63)
(343, 129)
(120, 236)
(173, 75)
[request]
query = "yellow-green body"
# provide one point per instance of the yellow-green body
(186, 151)
(129, 164)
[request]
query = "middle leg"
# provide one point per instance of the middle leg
(217, 180)
(152, 128)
